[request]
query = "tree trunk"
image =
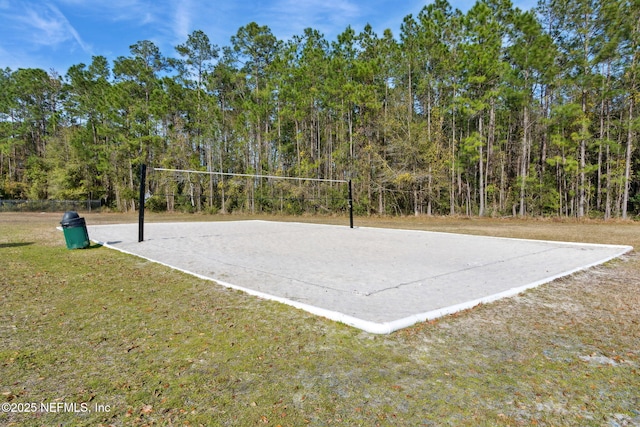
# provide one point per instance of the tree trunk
(481, 169)
(607, 206)
(524, 165)
(452, 193)
(583, 159)
(627, 162)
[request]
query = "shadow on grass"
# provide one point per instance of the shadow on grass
(15, 245)
(92, 246)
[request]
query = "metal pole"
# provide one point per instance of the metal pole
(350, 206)
(143, 179)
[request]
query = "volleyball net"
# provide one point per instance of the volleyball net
(166, 189)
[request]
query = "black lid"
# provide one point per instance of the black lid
(70, 215)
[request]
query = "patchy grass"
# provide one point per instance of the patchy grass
(133, 343)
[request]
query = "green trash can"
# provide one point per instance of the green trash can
(75, 231)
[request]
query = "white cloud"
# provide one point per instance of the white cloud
(182, 20)
(48, 26)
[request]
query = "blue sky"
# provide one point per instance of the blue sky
(55, 34)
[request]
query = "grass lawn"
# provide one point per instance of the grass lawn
(97, 337)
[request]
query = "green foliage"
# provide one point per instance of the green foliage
(156, 204)
(457, 111)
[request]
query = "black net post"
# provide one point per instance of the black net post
(143, 179)
(350, 206)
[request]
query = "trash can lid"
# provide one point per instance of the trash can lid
(68, 216)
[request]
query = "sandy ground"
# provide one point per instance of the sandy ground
(379, 280)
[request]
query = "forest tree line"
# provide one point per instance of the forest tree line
(496, 111)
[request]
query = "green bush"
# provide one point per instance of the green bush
(156, 204)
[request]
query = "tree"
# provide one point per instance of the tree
(497, 111)
(580, 38)
(30, 116)
(82, 157)
(531, 54)
(485, 29)
(137, 97)
(198, 54)
(630, 43)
